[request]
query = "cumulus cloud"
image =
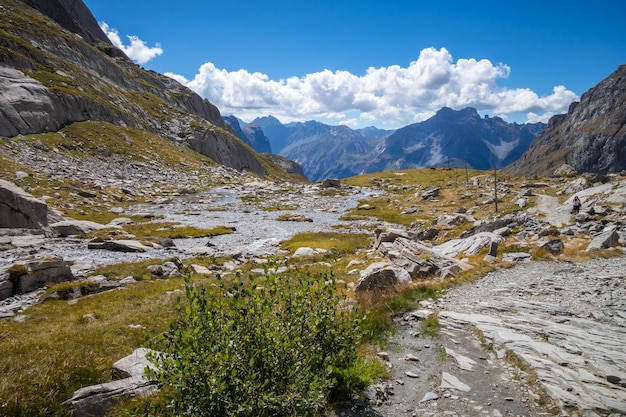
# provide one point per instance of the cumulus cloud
(138, 51)
(392, 96)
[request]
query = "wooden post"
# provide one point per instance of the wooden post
(495, 186)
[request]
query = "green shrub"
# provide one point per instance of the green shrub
(266, 347)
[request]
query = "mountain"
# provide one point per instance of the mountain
(591, 137)
(57, 68)
(277, 133)
(336, 152)
(372, 132)
(454, 138)
(250, 133)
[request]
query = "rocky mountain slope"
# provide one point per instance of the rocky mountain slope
(591, 137)
(57, 68)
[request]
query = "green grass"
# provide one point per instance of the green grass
(61, 347)
(384, 307)
(344, 243)
(431, 326)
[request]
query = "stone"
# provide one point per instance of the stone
(493, 249)
(381, 276)
(134, 364)
(516, 256)
(97, 400)
(294, 217)
(19, 209)
(200, 270)
(468, 246)
(71, 227)
(608, 238)
(38, 274)
(304, 251)
(331, 183)
(554, 246)
(565, 170)
(119, 246)
(454, 219)
(430, 193)
(6, 287)
(429, 396)
(449, 381)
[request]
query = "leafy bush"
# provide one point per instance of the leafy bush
(266, 347)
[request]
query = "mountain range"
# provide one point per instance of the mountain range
(57, 67)
(451, 138)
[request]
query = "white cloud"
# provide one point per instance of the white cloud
(385, 96)
(138, 51)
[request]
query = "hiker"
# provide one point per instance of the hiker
(577, 205)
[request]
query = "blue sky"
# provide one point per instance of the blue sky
(382, 63)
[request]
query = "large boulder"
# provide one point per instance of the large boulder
(381, 276)
(18, 209)
(607, 238)
(38, 274)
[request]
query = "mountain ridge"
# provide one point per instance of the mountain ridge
(51, 77)
(590, 137)
(451, 138)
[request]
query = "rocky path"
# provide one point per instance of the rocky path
(542, 338)
(553, 211)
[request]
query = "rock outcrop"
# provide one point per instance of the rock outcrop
(591, 137)
(18, 209)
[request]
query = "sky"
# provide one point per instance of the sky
(374, 63)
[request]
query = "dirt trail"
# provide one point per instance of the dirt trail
(555, 213)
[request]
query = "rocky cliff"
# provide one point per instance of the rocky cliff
(57, 68)
(591, 137)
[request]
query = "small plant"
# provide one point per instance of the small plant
(431, 326)
(267, 347)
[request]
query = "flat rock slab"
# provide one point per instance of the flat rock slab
(562, 320)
